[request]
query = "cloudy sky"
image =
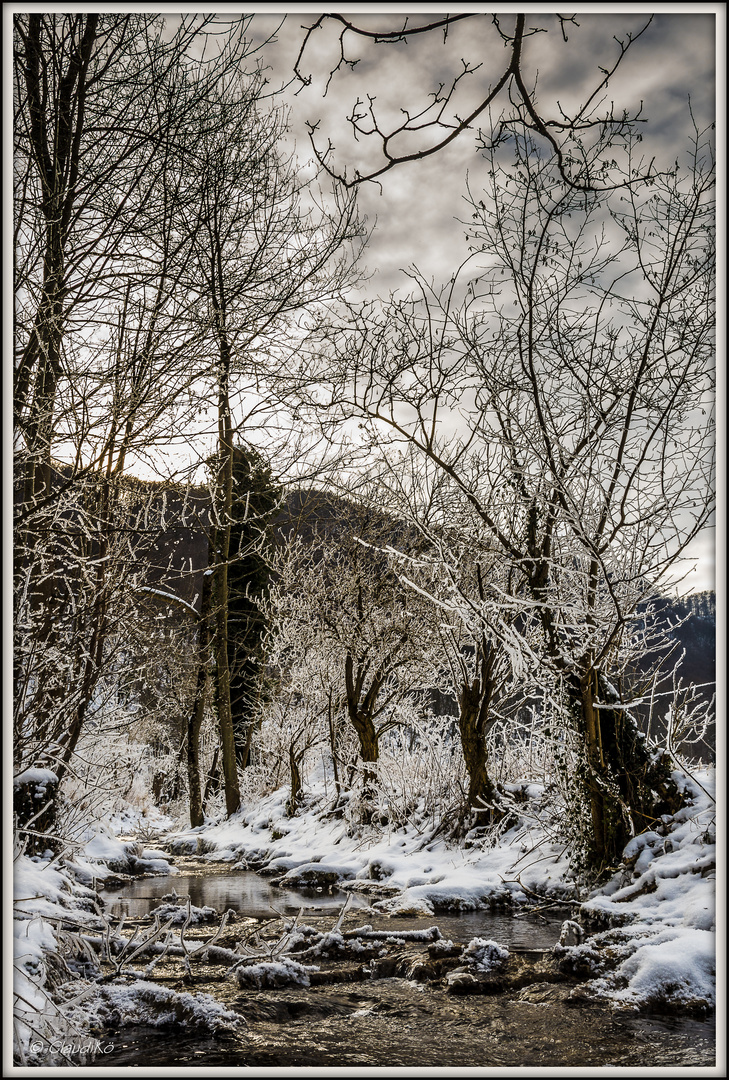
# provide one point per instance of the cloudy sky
(415, 207)
(416, 204)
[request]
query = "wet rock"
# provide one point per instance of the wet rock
(571, 933)
(441, 949)
(360, 973)
(313, 876)
(269, 1009)
(462, 982)
(544, 993)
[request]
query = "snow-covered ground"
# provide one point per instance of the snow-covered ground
(651, 929)
(658, 945)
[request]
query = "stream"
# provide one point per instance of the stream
(400, 1020)
(253, 896)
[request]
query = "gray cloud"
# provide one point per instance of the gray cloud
(417, 205)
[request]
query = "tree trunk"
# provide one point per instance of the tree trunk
(626, 789)
(481, 790)
(360, 710)
(213, 780)
(475, 695)
(369, 748)
(194, 724)
(296, 786)
(221, 555)
(197, 713)
(335, 752)
(59, 99)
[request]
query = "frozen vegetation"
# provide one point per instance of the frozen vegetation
(644, 939)
(392, 615)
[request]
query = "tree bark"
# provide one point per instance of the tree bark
(197, 713)
(481, 790)
(221, 556)
(296, 786)
(360, 710)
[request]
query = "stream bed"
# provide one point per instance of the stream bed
(394, 1015)
(253, 896)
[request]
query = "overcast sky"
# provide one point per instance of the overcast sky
(416, 205)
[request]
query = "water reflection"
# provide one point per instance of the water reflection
(253, 896)
(243, 891)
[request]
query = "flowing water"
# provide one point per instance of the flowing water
(255, 897)
(396, 1022)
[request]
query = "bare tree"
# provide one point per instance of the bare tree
(488, 65)
(134, 251)
(262, 264)
(563, 394)
(105, 107)
(347, 626)
(484, 639)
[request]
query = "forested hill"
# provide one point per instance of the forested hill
(172, 525)
(696, 636)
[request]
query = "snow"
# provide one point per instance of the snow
(103, 855)
(44, 897)
(485, 956)
(645, 938)
(147, 1003)
(658, 908)
(35, 776)
(176, 915)
(269, 973)
(675, 966)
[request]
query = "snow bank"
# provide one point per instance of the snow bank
(659, 908)
(674, 967)
(45, 896)
(103, 854)
(661, 949)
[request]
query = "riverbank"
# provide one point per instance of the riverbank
(654, 945)
(644, 941)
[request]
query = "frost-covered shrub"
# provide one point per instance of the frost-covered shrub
(421, 770)
(112, 781)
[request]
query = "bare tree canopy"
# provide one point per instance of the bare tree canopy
(498, 89)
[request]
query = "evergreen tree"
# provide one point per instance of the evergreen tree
(256, 497)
